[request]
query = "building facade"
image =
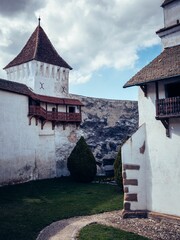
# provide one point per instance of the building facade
(151, 167)
(39, 119)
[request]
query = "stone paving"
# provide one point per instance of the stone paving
(155, 229)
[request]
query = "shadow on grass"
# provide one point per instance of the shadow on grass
(27, 208)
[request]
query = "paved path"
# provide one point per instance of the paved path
(68, 229)
(153, 229)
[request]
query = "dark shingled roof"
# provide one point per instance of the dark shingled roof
(56, 100)
(167, 2)
(14, 87)
(39, 48)
(22, 89)
(166, 65)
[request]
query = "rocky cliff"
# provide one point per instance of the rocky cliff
(107, 124)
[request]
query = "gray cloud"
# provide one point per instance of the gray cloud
(14, 7)
(89, 34)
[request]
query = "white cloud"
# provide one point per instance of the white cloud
(88, 34)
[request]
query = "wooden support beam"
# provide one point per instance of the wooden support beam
(165, 122)
(144, 89)
(53, 125)
(36, 121)
(157, 90)
(42, 124)
(30, 119)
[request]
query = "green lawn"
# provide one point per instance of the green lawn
(101, 232)
(25, 209)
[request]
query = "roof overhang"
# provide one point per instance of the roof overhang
(151, 81)
(166, 2)
(22, 89)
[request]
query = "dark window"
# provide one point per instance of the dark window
(172, 90)
(72, 109)
(33, 102)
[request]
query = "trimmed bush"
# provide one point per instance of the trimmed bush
(81, 162)
(118, 170)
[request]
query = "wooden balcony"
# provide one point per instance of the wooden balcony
(55, 117)
(168, 108)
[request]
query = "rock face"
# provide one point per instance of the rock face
(107, 124)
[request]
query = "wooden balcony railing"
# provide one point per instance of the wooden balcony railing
(168, 107)
(39, 112)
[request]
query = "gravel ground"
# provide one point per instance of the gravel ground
(151, 228)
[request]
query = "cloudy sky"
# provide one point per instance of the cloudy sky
(105, 41)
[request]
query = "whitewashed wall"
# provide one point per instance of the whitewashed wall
(27, 152)
(171, 37)
(134, 153)
(171, 13)
(162, 167)
(162, 174)
(42, 78)
(170, 40)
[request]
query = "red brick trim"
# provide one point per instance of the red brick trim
(134, 214)
(127, 213)
(124, 175)
(126, 190)
(131, 197)
(127, 206)
(142, 149)
(166, 217)
(131, 167)
(133, 182)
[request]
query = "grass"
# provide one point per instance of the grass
(25, 209)
(101, 232)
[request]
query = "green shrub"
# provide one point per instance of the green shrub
(118, 170)
(81, 162)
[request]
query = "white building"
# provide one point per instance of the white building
(151, 157)
(39, 121)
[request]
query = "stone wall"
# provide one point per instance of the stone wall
(29, 152)
(107, 124)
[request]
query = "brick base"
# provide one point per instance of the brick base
(164, 217)
(135, 214)
(153, 215)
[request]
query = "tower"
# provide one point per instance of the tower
(40, 67)
(170, 34)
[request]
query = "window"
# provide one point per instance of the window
(71, 109)
(172, 89)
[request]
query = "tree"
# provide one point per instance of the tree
(118, 170)
(81, 162)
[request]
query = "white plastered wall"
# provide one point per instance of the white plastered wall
(28, 152)
(162, 164)
(42, 78)
(171, 13)
(159, 174)
(133, 155)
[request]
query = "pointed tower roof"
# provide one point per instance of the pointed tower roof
(39, 48)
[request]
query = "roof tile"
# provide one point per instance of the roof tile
(166, 65)
(39, 48)
(22, 89)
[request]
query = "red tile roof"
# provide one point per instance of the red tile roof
(55, 100)
(22, 89)
(39, 48)
(167, 2)
(166, 65)
(14, 87)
